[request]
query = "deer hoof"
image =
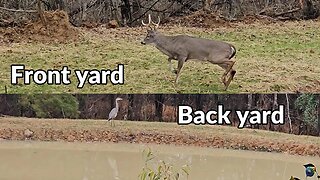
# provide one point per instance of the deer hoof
(226, 85)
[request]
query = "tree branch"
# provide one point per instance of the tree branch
(18, 10)
(288, 12)
(143, 14)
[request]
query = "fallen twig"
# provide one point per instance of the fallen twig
(288, 12)
(18, 10)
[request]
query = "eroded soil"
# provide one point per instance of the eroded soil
(57, 28)
(156, 133)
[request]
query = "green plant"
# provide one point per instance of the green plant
(308, 104)
(50, 105)
(163, 170)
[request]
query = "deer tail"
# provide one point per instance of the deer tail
(233, 51)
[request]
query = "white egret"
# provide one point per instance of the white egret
(114, 112)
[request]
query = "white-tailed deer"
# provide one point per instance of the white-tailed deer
(183, 48)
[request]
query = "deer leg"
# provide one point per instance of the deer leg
(227, 66)
(180, 66)
(223, 62)
(223, 77)
(233, 72)
(170, 66)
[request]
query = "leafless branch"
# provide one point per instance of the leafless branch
(143, 14)
(288, 12)
(18, 10)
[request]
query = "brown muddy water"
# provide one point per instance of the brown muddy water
(106, 161)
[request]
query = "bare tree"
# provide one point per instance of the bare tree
(159, 98)
(288, 113)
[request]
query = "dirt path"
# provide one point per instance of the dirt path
(157, 133)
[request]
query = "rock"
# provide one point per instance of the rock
(90, 24)
(28, 133)
(71, 138)
(113, 24)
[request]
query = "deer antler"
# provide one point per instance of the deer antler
(151, 22)
(156, 24)
(148, 22)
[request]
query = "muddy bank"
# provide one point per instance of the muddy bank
(156, 133)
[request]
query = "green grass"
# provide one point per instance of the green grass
(280, 57)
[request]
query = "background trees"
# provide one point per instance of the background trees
(130, 12)
(302, 116)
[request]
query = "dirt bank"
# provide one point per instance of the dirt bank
(157, 133)
(57, 28)
(203, 19)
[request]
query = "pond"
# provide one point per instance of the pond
(33, 160)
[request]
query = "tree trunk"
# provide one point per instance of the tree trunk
(199, 104)
(249, 105)
(40, 11)
(130, 106)
(288, 113)
(159, 107)
(310, 11)
(318, 97)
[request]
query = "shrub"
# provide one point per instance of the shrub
(51, 105)
(308, 104)
(163, 170)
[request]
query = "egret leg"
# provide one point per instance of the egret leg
(112, 124)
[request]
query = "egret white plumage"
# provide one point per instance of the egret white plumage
(114, 112)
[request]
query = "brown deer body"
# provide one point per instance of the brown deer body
(183, 48)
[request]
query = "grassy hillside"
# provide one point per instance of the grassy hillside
(280, 57)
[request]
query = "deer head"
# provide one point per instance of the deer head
(152, 32)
